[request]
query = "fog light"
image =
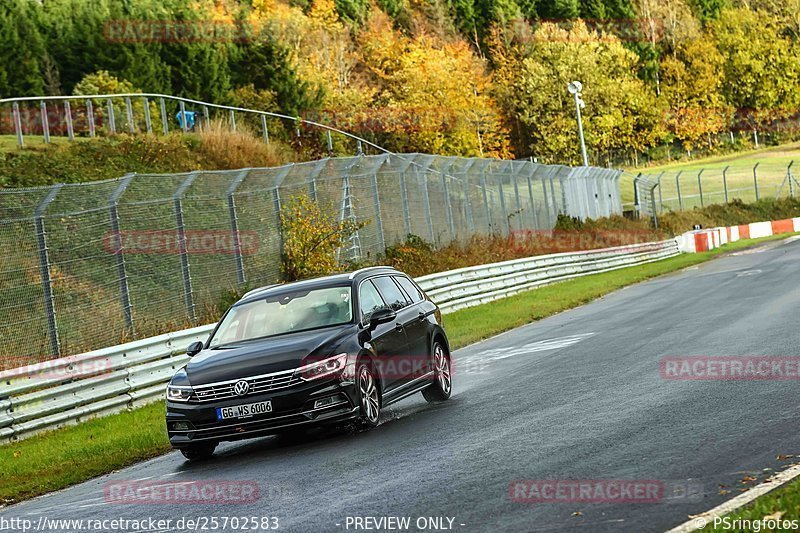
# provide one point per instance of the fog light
(324, 402)
(181, 426)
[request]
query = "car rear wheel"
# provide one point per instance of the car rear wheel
(199, 452)
(442, 384)
(369, 396)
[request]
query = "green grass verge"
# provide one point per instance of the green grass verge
(64, 457)
(783, 502)
(58, 459)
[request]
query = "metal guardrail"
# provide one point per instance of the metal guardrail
(70, 390)
(467, 287)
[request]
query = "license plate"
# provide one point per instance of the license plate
(244, 411)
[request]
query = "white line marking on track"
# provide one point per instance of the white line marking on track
(533, 347)
(707, 518)
(91, 505)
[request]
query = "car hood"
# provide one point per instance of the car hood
(273, 354)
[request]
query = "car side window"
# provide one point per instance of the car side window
(368, 300)
(390, 292)
(409, 288)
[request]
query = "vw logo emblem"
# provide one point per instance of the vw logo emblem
(241, 388)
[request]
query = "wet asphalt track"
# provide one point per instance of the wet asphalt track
(575, 396)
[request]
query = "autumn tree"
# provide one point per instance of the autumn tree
(621, 112)
(434, 95)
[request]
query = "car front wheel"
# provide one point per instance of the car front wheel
(369, 396)
(442, 384)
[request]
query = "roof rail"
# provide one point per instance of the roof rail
(365, 269)
(259, 289)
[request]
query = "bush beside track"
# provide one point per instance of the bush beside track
(64, 457)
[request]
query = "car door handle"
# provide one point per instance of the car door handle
(422, 315)
(398, 326)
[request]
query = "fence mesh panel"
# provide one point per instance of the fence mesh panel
(94, 264)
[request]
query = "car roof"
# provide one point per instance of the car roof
(335, 280)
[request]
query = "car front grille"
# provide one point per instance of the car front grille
(258, 384)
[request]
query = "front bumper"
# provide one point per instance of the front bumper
(292, 407)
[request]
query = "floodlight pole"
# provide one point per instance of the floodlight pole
(578, 103)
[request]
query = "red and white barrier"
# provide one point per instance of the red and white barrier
(702, 240)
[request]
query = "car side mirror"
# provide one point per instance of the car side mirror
(194, 348)
(381, 316)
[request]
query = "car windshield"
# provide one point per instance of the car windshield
(286, 312)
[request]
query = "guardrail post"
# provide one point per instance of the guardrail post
(791, 179)
(725, 182)
(44, 269)
(129, 115)
(404, 200)
(378, 220)
(188, 293)
(68, 116)
(18, 125)
(237, 243)
(330, 140)
(264, 128)
(755, 179)
(148, 123)
(184, 123)
(45, 122)
(119, 253)
(164, 123)
(206, 118)
(660, 195)
(90, 117)
(700, 187)
(232, 120)
(112, 123)
(678, 186)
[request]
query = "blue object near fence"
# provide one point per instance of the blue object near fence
(190, 118)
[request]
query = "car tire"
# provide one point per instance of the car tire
(369, 396)
(199, 452)
(442, 385)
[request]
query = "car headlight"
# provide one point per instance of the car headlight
(179, 394)
(326, 367)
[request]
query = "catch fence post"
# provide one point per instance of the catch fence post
(119, 252)
(44, 270)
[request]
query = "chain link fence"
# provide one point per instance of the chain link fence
(696, 186)
(95, 264)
